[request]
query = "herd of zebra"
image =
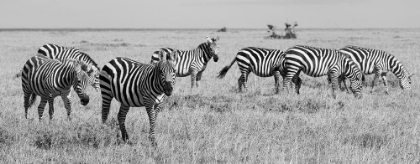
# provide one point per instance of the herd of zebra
(55, 69)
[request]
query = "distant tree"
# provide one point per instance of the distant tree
(223, 29)
(289, 32)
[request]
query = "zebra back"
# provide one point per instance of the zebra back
(63, 53)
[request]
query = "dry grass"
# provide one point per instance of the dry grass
(213, 123)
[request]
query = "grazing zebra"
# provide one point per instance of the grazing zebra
(192, 62)
(317, 62)
(62, 53)
(135, 84)
(378, 62)
(50, 78)
(262, 62)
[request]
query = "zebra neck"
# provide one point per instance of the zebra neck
(205, 51)
(157, 82)
(399, 71)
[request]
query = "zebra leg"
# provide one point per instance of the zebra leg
(151, 111)
(374, 81)
(276, 81)
(106, 103)
(193, 73)
(67, 104)
(289, 75)
(51, 107)
(383, 75)
(41, 107)
(198, 78)
(297, 81)
(26, 104)
(334, 84)
(121, 121)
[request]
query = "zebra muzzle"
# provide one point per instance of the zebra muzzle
(168, 88)
(358, 95)
(215, 58)
(85, 100)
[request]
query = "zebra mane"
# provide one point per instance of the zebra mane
(89, 58)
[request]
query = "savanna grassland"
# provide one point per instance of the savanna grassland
(214, 123)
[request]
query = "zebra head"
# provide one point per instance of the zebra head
(405, 82)
(82, 80)
(93, 77)
(354, 74)
(167, 71)
(213, 49)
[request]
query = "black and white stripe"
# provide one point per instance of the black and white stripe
(54, 51)
(50, 78)
(192, 62)
(261, 61)
(378, 62)
(317, 62)
(135, 84)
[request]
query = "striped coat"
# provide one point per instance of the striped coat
(49, 78)
(134, 84)
(378, 62)
(192, 62)
(318, 62)
(261, 61)
(54, 51)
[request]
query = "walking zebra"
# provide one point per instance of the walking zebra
(192, 62)
(261, 61)
(378, 62)
(54, 51)
(317, 62)
(50, 78)
(135, 84)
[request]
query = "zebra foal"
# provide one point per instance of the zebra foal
(134, 84)
(50, 78)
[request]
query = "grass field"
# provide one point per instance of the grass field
(213, 123)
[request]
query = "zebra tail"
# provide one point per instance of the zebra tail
(18, 75)
(32, 99)
(223, 72)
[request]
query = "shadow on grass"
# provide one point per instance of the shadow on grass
(367, 140)
(6, 138)
(219, 104)
(79, 134)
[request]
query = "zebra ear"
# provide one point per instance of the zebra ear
(411, 75)
(215, 39)
(208, 39)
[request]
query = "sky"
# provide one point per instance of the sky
(209, 13)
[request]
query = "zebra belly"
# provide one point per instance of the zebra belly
(129, 99)
(263, 74)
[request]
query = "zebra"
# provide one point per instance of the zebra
(50, 78)
(192, 62)
(378, 62)
(317, 62)
(136, 84)
(54, 51)
(261, 61)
